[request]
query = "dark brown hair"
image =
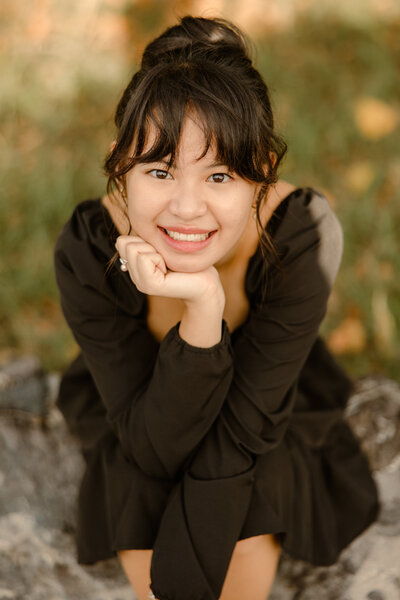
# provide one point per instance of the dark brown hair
(201, 65)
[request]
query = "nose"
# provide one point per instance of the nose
(187, 202)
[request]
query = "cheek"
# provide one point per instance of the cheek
(140, 204)
(238, 217)
(145, 199)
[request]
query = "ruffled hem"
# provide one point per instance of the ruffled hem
(316, 500)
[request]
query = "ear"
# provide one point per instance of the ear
(113, 144)
(266, 165)
(272, 158)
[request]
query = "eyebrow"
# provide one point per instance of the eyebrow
(212, 165)
(216, 164)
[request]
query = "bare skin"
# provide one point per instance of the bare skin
(164, 313)
(254, 561)
(250, 574)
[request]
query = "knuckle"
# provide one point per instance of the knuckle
(121, 241)
(130, 250)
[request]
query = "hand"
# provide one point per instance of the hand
(149, 273)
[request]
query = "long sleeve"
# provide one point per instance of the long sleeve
(201, 416)
(268, 356)
(274, 344)
(160, 399)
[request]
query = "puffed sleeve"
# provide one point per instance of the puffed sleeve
(207, 512)
(160, 399)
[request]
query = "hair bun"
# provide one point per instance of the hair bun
(192, 33)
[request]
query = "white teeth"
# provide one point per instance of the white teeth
(188, 237)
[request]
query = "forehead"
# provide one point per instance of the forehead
(192, 143)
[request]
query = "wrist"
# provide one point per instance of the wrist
(201, 323)
(212, 300)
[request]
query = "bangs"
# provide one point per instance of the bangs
(199, 69)
(224, 109)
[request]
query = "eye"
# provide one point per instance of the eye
(219, 178)
(160, 174)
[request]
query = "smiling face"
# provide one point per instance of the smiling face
(194, 213)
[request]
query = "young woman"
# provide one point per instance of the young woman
(208, 408)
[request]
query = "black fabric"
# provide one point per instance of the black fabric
(190, 449)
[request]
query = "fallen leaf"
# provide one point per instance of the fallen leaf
(374, 118)
(111, 30)
(348, 337)
(386, 270)
(40, 24)
(359, 176)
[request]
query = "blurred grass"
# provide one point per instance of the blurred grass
(318, 73)
(56, 112)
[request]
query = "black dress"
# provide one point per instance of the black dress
(190, 449)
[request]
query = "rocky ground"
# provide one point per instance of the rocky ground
(40, 468)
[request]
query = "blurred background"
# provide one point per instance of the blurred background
(333, 68)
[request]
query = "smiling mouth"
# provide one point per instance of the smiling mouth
(187, 237)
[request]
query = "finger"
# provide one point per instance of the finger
(148, 273)
(132, 251)
(151, 262)
(135, 244)
(124, 240)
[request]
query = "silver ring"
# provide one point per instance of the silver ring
(124, 264)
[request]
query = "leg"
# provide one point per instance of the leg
(252, 569)
(136, 564)
(250, 574)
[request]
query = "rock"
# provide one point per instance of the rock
(40, 471)
(370, 565)
(375, 595)
(23, 387)
(374, 415)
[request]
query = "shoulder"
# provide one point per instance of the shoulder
(305, 206)
(306, 227)
(86, 238)
(289, 208)
(307, 242)
(82, 252)
(86, 223)
(330, 234)
(88, 283)
(328, 231)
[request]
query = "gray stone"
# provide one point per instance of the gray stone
(41, 467)
(40, 470)
(375, 595)
(23, 388)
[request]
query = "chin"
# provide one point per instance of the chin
(188, 265)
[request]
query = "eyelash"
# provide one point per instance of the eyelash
(154, 172)
(223, 174)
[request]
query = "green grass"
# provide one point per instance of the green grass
(54, 141)
(317, 73)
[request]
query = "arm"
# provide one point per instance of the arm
(160, 399)
(201, 292)
(273, 346)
